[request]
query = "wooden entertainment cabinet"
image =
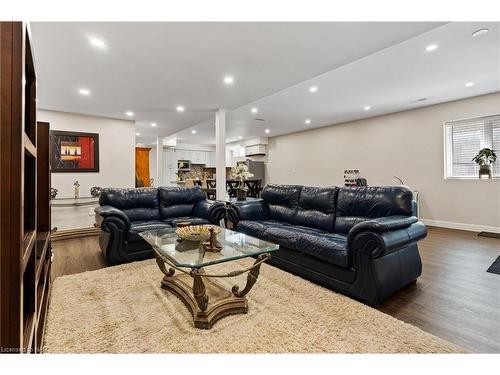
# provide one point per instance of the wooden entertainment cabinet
(25, 246)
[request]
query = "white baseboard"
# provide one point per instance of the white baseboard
(461, 226)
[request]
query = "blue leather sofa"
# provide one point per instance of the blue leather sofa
(360, 241)
(124, 213)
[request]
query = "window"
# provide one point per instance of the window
(464, 139)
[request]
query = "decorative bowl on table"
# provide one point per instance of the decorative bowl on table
(196, 232)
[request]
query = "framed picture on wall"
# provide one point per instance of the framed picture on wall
(74, 151)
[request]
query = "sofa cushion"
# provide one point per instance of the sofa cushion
(192, 219)
(254, 228)
(329, 247)
(284, 235)
(282, 200)
(137, 227)
(179, 201)
(316, 207)
(357, 204)
(138, 204)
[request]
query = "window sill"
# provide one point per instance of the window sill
(472, 178)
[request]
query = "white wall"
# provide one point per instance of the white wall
(116, 161)
(116, 151)
(407, 144)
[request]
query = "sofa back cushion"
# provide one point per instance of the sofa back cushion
(316, 207)
(357, 204)
(179, 201)
(139, 204)
(282, 200)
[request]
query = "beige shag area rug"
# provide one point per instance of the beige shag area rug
(122, 309)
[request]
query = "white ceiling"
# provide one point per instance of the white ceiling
(391, 80)
(150, 68)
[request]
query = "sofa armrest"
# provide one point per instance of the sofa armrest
(104, 214)
(209, 210)
(387, 233)
(255, 209)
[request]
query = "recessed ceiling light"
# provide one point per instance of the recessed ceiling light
(129, 113)
(98, 43)
(84, 92)
(469, 84)
(240, 137)
(153, 124)
(367, 107)
(254, 110)
(313, 89)
(480, 32)
(180, 108)
(308, 121)
(193, 131)
(267, 130)
(431, 47)
(228, 80)
(137, 133)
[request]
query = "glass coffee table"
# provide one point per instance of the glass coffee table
(207, 300)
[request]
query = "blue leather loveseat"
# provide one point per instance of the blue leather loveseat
(124, 213)
(360, 241)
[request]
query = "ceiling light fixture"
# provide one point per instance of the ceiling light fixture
(480, 32)
(268, 131)
(308, 121)
(367, 107)
(180, 108)
(254, 110)
(431, 47)
(240, 137)
(228, 80)
(129, 113)
(153, 124)
(313, 89)
(84, 92)
(193, 131)
(469, 84)
(98, 43)
(137, 133)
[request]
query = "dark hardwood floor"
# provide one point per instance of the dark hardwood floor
(455, 298)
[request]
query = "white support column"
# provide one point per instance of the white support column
(220, 153)
(159, 162)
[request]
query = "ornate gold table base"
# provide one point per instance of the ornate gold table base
(207, 300)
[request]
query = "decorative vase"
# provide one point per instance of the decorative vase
(485, 170)
(241, 195)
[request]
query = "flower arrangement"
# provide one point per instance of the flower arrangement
(240, 172)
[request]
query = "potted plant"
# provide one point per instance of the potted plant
(240, 172)
(485, 158)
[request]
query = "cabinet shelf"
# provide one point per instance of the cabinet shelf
(42, 245)
(25, 246)
(28, 244)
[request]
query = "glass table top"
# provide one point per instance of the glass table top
(191, 254)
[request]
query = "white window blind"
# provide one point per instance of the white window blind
(464, 139)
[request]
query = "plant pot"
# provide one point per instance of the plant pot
(485, 170)
(241, 195)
